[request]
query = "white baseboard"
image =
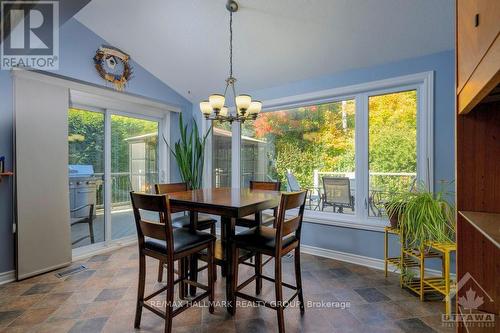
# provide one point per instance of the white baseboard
(7, 277)
(356, 259)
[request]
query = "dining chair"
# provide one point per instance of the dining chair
(204, 222)
(275, 242)
(267, 219)
(161, 241)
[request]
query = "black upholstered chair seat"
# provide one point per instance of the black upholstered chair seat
(261, 239)
(249, 220)
(204, 222)
(184, 239)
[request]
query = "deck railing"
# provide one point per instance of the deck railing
(121, 185)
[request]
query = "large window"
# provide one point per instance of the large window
(309, 147)
(351, 153)
(392, 123)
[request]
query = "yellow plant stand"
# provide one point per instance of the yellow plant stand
(444, 284)
(415, 258)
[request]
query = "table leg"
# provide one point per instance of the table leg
(258, 259)
(229, 225)
(193, 262)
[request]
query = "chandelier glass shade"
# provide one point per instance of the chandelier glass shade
(215, 107)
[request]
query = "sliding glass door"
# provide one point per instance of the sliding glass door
(110, 154)
(134, 167)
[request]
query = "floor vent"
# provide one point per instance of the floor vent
(71, 271)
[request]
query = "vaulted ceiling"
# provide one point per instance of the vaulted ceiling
(185, 42)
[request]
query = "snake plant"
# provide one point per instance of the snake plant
(189, 153)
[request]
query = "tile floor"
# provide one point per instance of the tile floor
(102, 299)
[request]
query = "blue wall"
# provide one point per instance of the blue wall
(77, 47)
(370, 243)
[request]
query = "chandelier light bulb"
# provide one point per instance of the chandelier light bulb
(216, 101)
(243, 102)
(205, 108)
(254, 107)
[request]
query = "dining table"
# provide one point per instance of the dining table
(230, 204)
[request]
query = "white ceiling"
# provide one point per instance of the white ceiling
(185, 42)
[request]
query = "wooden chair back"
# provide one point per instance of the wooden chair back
(286, 226)
(171, 188)
(160, 205)
(266, 186)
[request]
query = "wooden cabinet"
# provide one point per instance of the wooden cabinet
(478, 156)
(478, 50)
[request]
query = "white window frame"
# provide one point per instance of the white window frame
(422, 82)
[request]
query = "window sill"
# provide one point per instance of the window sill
(353, 222)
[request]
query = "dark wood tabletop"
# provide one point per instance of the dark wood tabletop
(229, 204)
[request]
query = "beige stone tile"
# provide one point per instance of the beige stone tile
(20, 302)
(68, 311)
(99, 309)
(60, 326)
(52, 300)
(33, 317)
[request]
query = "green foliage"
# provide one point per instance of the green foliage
(189, 152)
(423, 216)
(86, 138)
(322, 138)
(310, 138)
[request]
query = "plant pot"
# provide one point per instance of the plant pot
(393, 219)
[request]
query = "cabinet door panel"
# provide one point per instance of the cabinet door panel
(467, 41)
(489, 23)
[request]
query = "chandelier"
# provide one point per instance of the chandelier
(214, 108)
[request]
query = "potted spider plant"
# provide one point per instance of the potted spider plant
(424, 216)
(189, 153)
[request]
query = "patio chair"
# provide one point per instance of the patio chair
(377, 199)
(88, 219)
(294, 186)
(337, 193)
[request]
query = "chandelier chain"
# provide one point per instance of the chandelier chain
(230, 44)
(246, 109)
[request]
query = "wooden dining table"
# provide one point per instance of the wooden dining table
(230, 204)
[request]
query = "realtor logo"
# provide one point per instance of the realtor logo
(30, 34)
(469, 303)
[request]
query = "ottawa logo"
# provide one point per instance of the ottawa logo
(471, 305)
